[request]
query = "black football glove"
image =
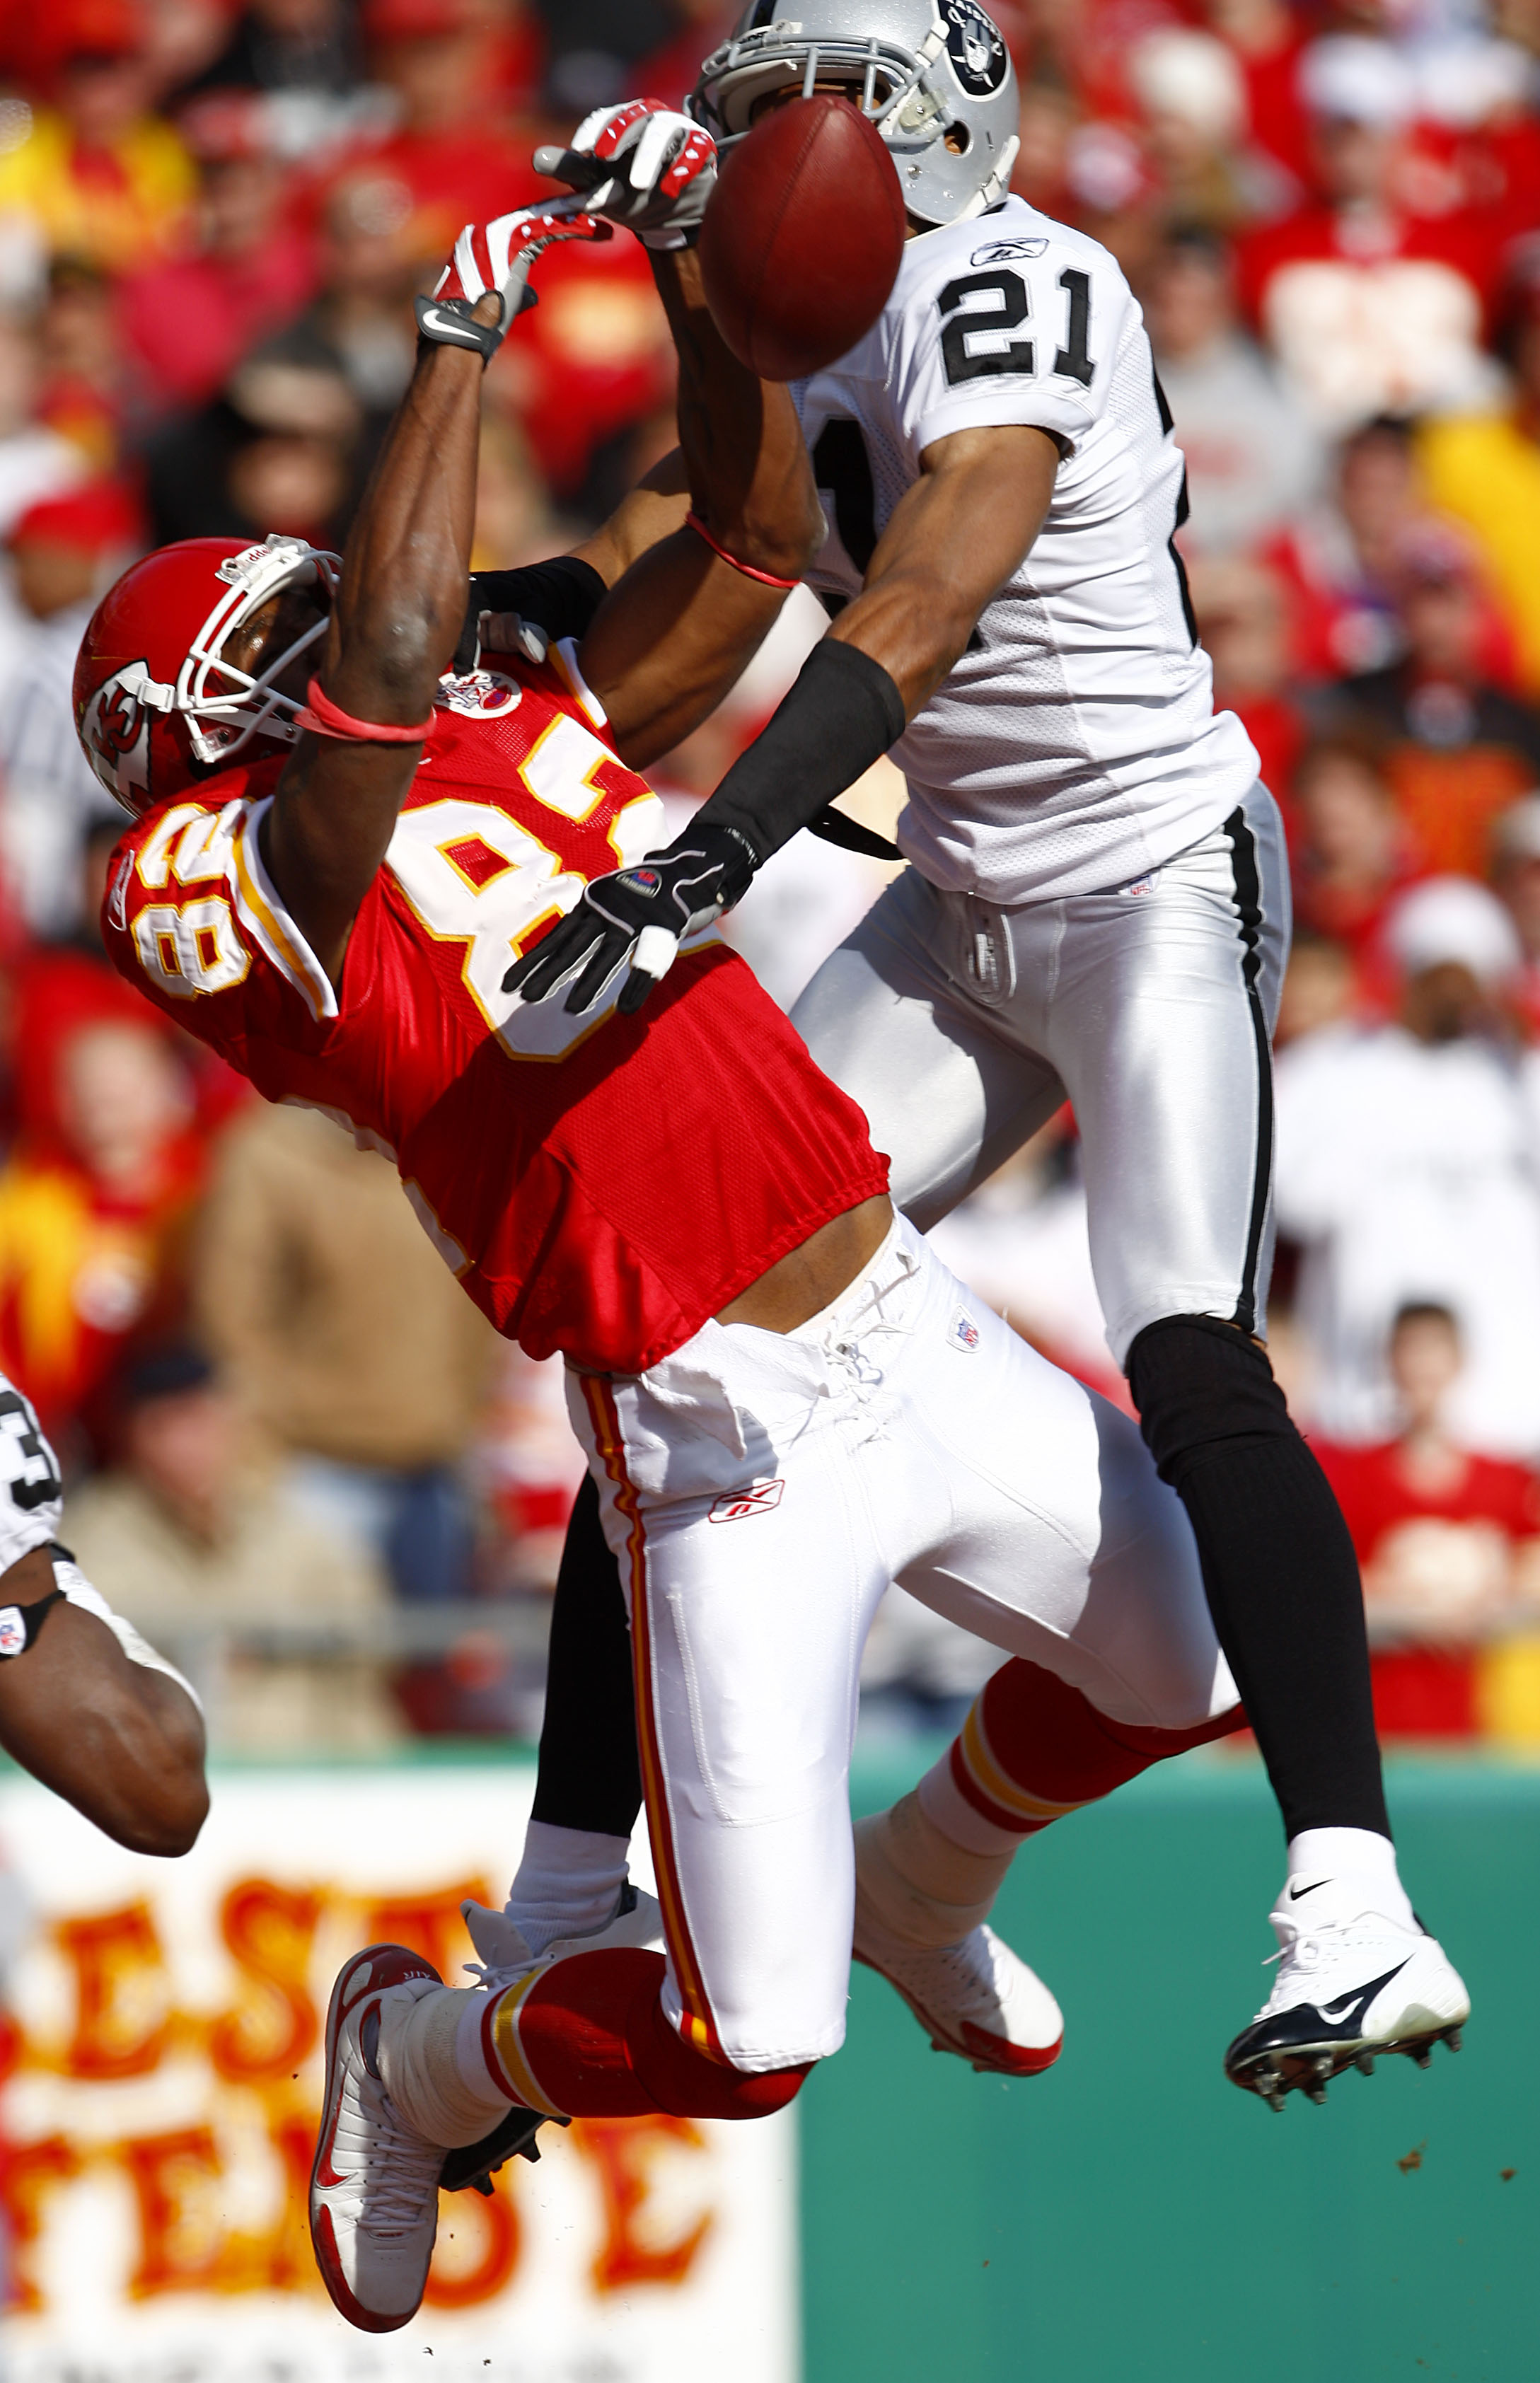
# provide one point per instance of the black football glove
(643, 914)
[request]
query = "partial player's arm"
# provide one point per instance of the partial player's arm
(955, 539)
(688, 606)
(402, 603)
(681, 625)
(85, 1705)
(119, 1740)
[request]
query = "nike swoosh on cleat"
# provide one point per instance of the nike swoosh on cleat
(1296, 1892)
(1348, 2010)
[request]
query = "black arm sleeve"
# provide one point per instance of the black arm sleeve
(560, 596)
(840, 717)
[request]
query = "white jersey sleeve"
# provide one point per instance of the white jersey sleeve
(30, 1515)
(29, 1486)
(1013, 329)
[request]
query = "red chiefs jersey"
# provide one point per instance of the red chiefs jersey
(601, 1185)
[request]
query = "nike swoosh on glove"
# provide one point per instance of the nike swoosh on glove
(643, 164)
(497, 255)
(643, 914)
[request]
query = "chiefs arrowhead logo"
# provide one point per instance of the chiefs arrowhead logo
(114, 731)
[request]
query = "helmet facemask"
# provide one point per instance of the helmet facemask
(223, 705)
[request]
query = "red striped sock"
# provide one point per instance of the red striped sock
(587, 2038)
(1034, 1749)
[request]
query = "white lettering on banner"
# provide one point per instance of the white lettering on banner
(160, 2101)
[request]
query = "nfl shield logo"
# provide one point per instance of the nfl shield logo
(963, 1332)
(13, 1630)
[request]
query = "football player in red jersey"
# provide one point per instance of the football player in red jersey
(785, 1399)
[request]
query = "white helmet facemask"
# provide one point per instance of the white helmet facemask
(935, 76)
(223, 717)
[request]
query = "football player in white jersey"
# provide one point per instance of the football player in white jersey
(1097, 901)
(85, 1704)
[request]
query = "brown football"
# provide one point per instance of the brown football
(803, 237)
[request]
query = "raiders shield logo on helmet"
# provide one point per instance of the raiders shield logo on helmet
(114, 731)
(977, 53)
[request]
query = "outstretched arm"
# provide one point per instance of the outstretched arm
(679, 624)
(393, 629)
(954, 539)
(402, 603)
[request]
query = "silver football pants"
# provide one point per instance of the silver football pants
(960, 1028)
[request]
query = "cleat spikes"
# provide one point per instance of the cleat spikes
(530, 2150)
(1454, 2039)
(484, 2186)
(1423, 2057)
(1365, 2063)
(1315, 2093)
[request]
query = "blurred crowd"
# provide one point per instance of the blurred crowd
(279, 1415)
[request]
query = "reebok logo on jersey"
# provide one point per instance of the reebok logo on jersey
(737, 1505)
(1001, 251)
(963, 1332)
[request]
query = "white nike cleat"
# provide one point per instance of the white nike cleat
(1351, 1983)
(374, 2186)
(975, 1999)
(635, 1921)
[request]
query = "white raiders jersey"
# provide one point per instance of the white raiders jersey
(1075, 746)
(30, 1515)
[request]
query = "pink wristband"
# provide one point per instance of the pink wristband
(766, 578)
(324, 717)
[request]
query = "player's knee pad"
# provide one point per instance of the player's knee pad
(1201, 1387)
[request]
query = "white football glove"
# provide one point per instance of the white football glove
(641, 165)
(497, 255)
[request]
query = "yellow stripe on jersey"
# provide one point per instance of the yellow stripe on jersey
(280, 939)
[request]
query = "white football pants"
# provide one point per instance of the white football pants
(760, 1491)
(960, 1028)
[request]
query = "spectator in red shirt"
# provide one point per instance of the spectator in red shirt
(1352, 855)
(1449, 1540)
(97, 1197)
(1341, 557)
(1370, 307)
(1244, 619)
(450, 152)
(1462, 748)
(189, 321)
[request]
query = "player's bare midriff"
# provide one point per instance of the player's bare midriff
(811, 1277)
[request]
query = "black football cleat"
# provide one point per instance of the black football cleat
(472, 2166)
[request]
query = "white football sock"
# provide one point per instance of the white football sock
(916, 1884)
(568, 1883)
(443, 2096)
(1359, 1853)
(943, 1802)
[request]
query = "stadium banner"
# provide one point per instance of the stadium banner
(162, 2067)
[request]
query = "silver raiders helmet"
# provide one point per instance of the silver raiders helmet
(935, 76)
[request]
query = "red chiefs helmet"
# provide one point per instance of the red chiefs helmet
(155, 707)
